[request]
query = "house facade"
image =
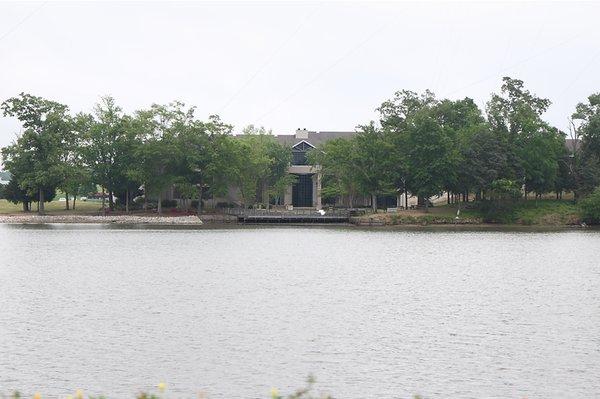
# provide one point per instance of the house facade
(306, 191)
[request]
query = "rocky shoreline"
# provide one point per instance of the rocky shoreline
(111, 219)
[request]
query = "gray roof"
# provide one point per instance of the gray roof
(314, 138)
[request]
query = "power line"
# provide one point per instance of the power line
(22, 21)
(521, 62)
(269, 59)
(581, 71)
(321, 73)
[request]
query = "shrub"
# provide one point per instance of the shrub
(497, 211)
(590, 207)
(505, 189)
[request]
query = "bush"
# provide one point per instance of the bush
(168, 203)
(497, 212)
(590, 207)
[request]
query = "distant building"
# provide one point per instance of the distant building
(306, 191)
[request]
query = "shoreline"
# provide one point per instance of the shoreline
(110, 219)
(224, 220)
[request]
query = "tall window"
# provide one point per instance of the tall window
(299, 152)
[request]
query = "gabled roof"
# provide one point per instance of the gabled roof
(313, 139)
(302, 146)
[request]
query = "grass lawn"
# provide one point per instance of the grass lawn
(545, 212)
(54, 208)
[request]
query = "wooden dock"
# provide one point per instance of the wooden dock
(298, 216)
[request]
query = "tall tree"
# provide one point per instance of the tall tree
(585, 159)
(108, 146)
(429, 155)
(336, 159)
(203, 157)
(515, 116)
(371, 160)
(46, 124)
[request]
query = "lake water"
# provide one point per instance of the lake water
(234, 312)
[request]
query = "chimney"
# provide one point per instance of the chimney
(301, 133)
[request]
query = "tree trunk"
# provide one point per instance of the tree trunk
(127, 200)
(426, 205)
(145, 199)
(199, 207)
(374, 202)
(111, 200)
(265, 195)
(74, 199)
(448, 197)
(67, 201)
(159, 206)
(405, 198)
(25, 206)
(41, 202)
(103, 202)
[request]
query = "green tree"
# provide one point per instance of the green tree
(36, 156)
(260, 165)
(336, 159)
(108, 143)
(529, 142)
(372, 162)
(203, 158)
(428, 156)
(585, 160)
(156, 153)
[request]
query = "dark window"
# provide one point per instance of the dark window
(299, 152)
(302, 192)
(299, 158)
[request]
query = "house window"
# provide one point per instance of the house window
(299, 152)
(302, 191)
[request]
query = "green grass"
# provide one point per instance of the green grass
(546, 212)
(54, 208)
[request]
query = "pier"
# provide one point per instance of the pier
(290, 216)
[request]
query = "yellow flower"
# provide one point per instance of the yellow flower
(37, 395)
(79, 394)
(274, 393)
(162, 386)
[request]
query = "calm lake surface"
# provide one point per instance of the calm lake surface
(234, 312)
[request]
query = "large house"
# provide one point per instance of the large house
(306, 191)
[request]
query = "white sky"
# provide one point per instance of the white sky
(322, 66)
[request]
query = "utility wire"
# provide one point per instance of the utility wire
(581, 71)
(269, 59)
(22, 21)
(521, 62)
(318, 75)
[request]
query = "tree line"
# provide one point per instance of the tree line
(420, 145)
(426, 146)
(146, 153)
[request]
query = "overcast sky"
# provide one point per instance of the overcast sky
(322, 66)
